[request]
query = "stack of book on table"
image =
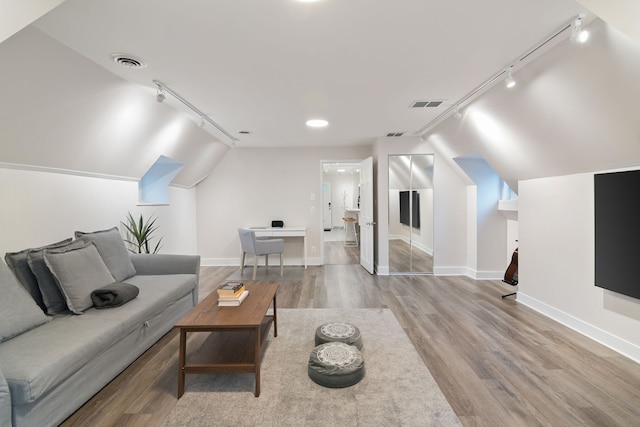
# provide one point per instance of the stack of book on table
(232, 294)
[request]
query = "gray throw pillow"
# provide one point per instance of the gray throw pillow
(112, 250)
(18, 311)
(51, 295)
(78, 273)
(17, 261)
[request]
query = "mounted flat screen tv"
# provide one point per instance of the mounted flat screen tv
(617, 232)
(405, 208)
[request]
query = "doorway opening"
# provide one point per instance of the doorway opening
(340, 209)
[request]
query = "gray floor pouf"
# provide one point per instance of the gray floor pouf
(339, 332)
(336, 365)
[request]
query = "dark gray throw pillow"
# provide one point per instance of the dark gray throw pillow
(78, 272)
(51, 295)
(18, 311)
(18, 263)
(112, 250)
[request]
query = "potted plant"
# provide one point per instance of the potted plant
(139, 234)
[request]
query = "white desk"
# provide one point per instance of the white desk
(282, 233)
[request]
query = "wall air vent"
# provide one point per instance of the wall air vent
(427, 104)
(128, 61)
(394, 134)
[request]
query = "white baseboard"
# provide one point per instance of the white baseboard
(451, 271)
(230, 262)
(615, 343)
(486, 275)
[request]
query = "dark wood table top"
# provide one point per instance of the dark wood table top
(207, 314)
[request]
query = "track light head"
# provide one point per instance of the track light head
(578, 34)
(510, 81)
(201, 122)
(456, 113)
(160, 97)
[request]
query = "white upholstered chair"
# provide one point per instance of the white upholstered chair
(259, 247)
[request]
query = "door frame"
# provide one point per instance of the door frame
(322, 180)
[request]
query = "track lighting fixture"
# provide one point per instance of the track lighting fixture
(456, 113)
(578, 34)
(510, 81)
(161, 95)
(574, 25)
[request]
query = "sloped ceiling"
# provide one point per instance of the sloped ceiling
(17, 14)
(573, 110)
(63, 111)
(266, 67)
(622, 14)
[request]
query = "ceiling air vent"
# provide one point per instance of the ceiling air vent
(394, 134)
(427, 104)
(128, 61)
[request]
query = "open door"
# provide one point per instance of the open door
(366, 214)
(326, 206)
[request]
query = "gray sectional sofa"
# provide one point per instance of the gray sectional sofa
(53, 360)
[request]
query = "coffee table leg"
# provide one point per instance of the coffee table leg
(257, 361)
(181, 361)
(275, 318)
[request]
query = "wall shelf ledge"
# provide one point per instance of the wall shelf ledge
(508, 208)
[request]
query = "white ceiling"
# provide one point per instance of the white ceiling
(266, 66)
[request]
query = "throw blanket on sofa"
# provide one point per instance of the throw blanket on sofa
(114, 295)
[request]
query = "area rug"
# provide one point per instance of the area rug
(397, 389)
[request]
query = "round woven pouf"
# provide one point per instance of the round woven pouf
(336, 365)
(339, 332)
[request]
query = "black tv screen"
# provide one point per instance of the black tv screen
(617, 232)
(415, 209)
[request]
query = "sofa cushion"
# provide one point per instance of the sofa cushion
(17, 261)
(51, 295)
(18, 311)
(74, 341)
(78, 272)
(112, 250)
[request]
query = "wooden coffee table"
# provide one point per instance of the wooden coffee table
(238, 334)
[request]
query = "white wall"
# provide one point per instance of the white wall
(556, 263)
(491, 225)
(253, 186)
(39, 208)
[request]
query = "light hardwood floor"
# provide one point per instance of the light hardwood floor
(497, 362)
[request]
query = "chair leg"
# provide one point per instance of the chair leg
(266, 260)
(244, 254)
(255, 266)
(281, 268)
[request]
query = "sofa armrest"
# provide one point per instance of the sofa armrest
(157, 264)
(5, 402)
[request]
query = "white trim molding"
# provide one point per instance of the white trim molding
(615, 343)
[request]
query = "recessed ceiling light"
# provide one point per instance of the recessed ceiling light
(317, 123)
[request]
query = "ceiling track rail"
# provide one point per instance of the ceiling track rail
(203, 116)
(468, 97)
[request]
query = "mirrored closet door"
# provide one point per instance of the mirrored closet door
(411, 214)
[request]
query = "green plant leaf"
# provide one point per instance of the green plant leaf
(140, 232)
